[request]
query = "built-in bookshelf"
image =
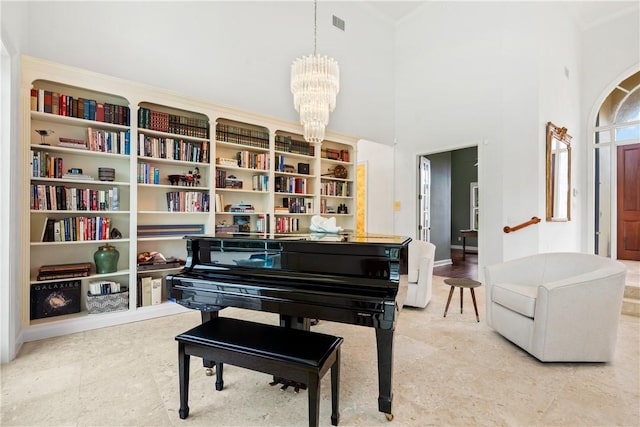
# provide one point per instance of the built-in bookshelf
(337, 184)
(173, 191)
(242, 177)
(74, 135)
(175, 166)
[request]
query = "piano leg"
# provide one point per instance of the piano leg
(384, 341)
(208, 364)
(293, 323)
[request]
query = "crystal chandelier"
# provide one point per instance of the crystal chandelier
(315, 82)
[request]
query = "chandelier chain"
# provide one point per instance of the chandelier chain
(315, 26)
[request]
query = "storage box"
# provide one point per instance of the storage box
(55, 298)
(108, 302)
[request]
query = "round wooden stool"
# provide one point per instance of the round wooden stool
(462, 283)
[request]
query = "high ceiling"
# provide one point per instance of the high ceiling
(586, 13)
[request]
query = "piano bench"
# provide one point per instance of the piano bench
(300, 356)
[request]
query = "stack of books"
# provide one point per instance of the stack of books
(64, 271)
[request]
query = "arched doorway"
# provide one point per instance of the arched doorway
(617, 172)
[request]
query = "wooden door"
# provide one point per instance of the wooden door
(629, 202)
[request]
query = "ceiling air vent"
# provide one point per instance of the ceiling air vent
(338, 23)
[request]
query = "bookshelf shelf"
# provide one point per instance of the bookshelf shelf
(143, 119)
(240, 146)
(172, 187)
(74, 121)
(80, 242)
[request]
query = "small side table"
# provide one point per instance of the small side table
(462, 283)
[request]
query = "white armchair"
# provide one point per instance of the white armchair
(420, 280)
(559, 307)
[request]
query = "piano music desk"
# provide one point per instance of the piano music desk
(263, 348)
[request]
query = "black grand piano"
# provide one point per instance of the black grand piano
(348, 278)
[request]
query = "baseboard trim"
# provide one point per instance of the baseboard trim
(442, 262)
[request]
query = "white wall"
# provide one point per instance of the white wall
(13, 37)
(610, 53)
(379, 189)
(495, 73)
(236, 53)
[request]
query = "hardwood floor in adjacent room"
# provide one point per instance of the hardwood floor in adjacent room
(461, 268)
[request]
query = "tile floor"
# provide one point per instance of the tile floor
(447, 371)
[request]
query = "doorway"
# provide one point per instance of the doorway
(452, 201)
(617, 173)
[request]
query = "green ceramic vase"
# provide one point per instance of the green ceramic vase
(106, 259)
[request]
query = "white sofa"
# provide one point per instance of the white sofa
(557, 306)
(420, 280)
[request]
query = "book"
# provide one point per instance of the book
(146, 290)
(156, 291)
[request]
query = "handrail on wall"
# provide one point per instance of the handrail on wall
(532, 221)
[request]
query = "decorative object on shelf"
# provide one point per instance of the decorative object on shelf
(106, 303)
(190, 179)
(338, 171)
(303, 168)
(106, 259)
(115, 234)
(321, 224)
(43, 134)
(342, 209)
(315, 82)
(55, 299)
(106, 174)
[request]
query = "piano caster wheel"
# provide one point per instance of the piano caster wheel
(208, 372)
(389, 416)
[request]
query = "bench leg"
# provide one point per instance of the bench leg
(183, 374)
(335, 390)
(219, 381)
(313, 388)
(460, 300)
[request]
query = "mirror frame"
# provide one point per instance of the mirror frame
(556, 137)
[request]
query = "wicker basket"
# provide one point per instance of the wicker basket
(107, 303)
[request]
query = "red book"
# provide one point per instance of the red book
(34, 99)
(48, 99)
(99, 112)
(63, 105)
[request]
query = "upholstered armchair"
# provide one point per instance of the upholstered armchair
(420, 278)
(559, 307)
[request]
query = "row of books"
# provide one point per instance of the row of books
(46, 101)
(63, 271)
(76, 229)
(335, 154)
(174, 149)
(105, 141)
(251, 160)
(187, 201)
(286, 143)
(260, 183)
(244, 136)
(104, 287)
(149, 291)
(63, 198)
(295, 205)
(287, 224)
(335, 188)
(148, 174)
(172, 123)
(291, 184)
(45, 165)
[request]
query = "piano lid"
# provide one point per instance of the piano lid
(364, 255)
(345, 237)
